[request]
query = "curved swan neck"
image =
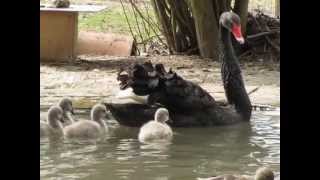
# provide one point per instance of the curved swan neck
(102, 123)
(232, 78)
(68, 116)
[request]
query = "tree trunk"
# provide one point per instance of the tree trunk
(277, 8)
(164, 20)
(241, 8)
(206, 27)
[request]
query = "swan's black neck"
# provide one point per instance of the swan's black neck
(227, 45)
(232, 78)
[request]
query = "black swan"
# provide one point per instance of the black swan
(189, 105)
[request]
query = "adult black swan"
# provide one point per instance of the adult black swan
(189, 105)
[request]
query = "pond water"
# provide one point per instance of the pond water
(194, 152)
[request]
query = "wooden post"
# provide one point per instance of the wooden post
(58, 35)
(277, 8)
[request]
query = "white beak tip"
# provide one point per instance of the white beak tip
(240, 40)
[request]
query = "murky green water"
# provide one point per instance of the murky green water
(195, 152)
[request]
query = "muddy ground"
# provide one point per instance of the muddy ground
(93, 79)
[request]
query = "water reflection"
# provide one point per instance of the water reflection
(194, 152)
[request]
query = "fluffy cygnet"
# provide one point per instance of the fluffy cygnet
(67, 108)
(88, 128)
(262, 173)
(54, 126)
(156, 130)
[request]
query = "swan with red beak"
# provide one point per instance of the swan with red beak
(234, 26)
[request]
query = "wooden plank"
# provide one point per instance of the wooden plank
(58, 35)
(74, 8)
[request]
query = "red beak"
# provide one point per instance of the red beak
(236, 31)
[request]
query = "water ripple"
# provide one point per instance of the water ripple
(194, 152)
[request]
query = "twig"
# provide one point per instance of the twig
(276, 47)
(125, 14)
(244, 54)
(262, 34)
(149, 23)
(146, 40)
(263, 107)
(253, 90)
(148, 16)
(178, 14)
(149, 19)
(136, 20)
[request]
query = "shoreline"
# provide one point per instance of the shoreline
(92, 79)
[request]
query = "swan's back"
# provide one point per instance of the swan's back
(155, 131)
(83, 129)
